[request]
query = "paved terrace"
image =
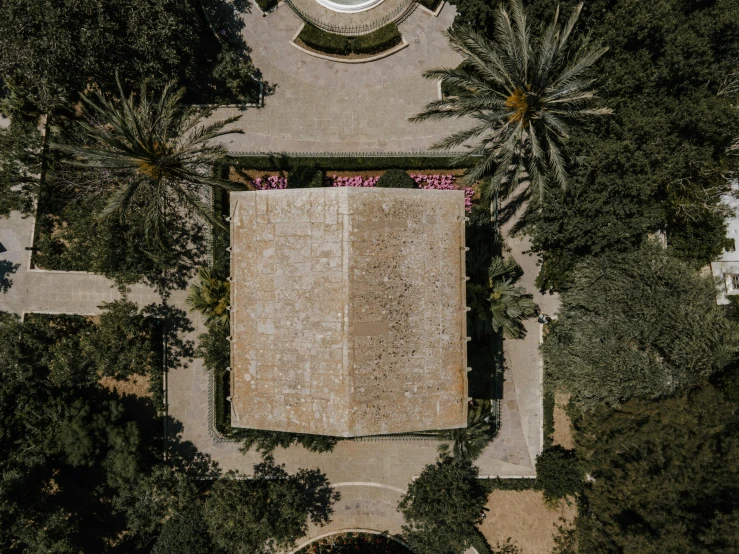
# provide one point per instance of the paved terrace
(325, 106)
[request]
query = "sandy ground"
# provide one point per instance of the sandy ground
(137, 385)
(562, 424)
(526, 519)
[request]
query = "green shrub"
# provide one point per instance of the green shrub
(329, 43)
(267, 5)
(430, 4)
(375, 42)
(558, 473)
(349, 163)
(396, 179)
(303, 176)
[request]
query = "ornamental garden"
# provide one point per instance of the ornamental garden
(365, 313)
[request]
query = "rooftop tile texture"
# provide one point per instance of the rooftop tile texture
(348, 311)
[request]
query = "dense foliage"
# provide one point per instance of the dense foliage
(657, 163)
(396, 179)
(20, 166)
(558, 473)
(637, 325)
(356, 543)
(83, 467)
(305, 176)
(69, 46)
(442, 507)
(522, 92)
(268, 512)
(664, 477)
(70, 237)
(67, 443)
(377, 41)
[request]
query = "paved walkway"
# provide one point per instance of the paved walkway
(324, 106)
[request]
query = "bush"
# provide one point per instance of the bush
(329, 43)
(558, 473)
(302, 176)
(267, 5)
(430, 4)
(348, 163)
(396, 179)
(375, 42)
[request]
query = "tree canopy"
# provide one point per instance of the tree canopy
(442, 507)
(523, 91)
(663, 476)
(637, 325)
(69, 46)
(269, 511)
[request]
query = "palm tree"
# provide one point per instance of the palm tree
(211, 297)
(158, 155)
(522, 93)
(467, 443)
(509, 305)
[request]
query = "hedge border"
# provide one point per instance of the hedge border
(378, 41)
(285, 162)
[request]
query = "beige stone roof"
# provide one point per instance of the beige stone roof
(348, 310)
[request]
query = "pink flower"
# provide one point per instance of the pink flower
(271, 183)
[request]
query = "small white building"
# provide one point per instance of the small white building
(726, 267)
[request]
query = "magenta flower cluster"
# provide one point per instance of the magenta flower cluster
(444, 182)
(352, 181)
(273, 182)
(435, 182)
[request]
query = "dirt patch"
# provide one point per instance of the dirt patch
(526, 519)
(562, 424)
(136, 385)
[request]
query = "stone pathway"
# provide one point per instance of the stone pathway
(325, 106)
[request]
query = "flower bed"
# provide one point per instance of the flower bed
(429, 182)
(356, 543)
(270, 183)
(443, 181)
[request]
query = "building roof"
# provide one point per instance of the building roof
(348, 311)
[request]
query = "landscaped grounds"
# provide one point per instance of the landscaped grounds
(603, 136)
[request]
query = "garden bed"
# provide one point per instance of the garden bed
(356, 543)
(376, 42)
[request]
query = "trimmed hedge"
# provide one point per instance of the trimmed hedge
(375, 42)
(304, 176)
(329, 43)
(267, 5)
(396, 179)
(348, 163)
(430, 4)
